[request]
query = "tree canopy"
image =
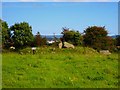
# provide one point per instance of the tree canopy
(72, 36)
(38, 40)
(118, 41)
(96, 37)
(21, 34)
(5, 33)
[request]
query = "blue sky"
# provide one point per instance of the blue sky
(50, 17)
(60, 0)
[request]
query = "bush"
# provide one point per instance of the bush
(96, 37)
(72, 36)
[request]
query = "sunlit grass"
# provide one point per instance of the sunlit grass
(60, 68)
(0, 71)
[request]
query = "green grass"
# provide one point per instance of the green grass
(59, 68)
(0, 61)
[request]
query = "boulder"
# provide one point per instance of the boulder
(60, 45)
(12, 47)
(66, 45)
(106, 52)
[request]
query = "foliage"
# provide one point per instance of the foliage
(21, 34)
(118, 41)
(96, 37)
(38, 40)
(44, 40)
(0, 33)
(59, 68)
(5, 34)
(72, 36)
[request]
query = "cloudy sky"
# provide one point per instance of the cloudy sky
(60, 0)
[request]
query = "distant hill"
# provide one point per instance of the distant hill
(51, 37)
(115, 36)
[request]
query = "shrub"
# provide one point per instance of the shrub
(96, 37)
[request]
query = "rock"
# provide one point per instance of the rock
(118, 47)
(12, 47)
(66, 45)
(106, 52)
(60, 45)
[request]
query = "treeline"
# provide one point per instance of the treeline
(20, 35)
(94, 37)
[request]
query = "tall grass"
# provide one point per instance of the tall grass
(59, 68)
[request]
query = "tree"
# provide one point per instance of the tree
(72, 36)
(118, 41)
(96, 37)
(0, 34)
(21, 34)
(39, 40)
(5, 34)
(44, 41)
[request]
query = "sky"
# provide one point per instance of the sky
(50, 17)
(60, 0)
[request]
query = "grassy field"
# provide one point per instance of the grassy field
(59, 68)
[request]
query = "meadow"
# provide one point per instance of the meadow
(59, 68)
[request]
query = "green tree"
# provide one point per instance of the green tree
(21, 34)
(44, 41)
(72, 36)
(39, 40)
(118, 41)
(0, 33)
(5, 34)
(96, 37)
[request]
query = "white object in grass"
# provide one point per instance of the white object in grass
(33, 48)
(12, 47)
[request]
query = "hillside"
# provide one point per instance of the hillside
(115, 36)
